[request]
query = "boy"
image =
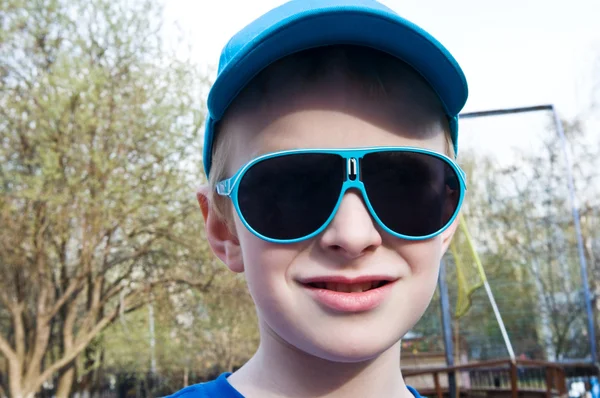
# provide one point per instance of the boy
(331, 131)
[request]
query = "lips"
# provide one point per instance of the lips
(349, 295)
(348, 287)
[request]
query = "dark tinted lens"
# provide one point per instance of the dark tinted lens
(413, 194)
(291, 196)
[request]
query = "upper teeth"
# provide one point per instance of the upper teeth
(347, 287)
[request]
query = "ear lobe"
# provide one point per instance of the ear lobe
(223, 242)
(202, 198)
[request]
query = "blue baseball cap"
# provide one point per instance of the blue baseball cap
(303, 24)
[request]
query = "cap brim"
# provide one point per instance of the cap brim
(377, 28)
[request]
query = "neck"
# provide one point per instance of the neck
(280, 370)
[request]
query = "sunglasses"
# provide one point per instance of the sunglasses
(291, 196)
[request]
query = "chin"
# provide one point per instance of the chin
(353, 354)
(352, 348)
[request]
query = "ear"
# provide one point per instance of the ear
(223, 242)
(449, 233)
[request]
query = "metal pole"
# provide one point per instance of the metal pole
(580, 249)
(498, 112)
(488, 290)
(447, 328)
(152, 339)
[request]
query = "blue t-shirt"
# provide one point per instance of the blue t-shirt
(220, 388)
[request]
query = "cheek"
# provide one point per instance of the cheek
(423, 259)
(266, 267)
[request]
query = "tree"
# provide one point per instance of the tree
(99, 154)
(546, 238)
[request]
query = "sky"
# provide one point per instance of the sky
(513, 52)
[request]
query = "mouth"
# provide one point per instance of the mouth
(350, 295)
(348, 287)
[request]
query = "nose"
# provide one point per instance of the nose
(352, 232)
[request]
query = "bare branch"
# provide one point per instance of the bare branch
(113, 291)
(36, 354)
(19, 334)
(69, 321)
(75, 285)
(83, 341)
(144, 250)
(94, 305)
(203, 285)
(115, 287)
(7, 351)
(4, 299)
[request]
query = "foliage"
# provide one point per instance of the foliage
(99, 147)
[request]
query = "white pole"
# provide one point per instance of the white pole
(509, 347)
(152, 339)
(488, 290)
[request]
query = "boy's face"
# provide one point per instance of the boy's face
(353, 245)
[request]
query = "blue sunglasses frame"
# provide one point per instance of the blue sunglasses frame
(229, 187)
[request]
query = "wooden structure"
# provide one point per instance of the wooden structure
(501, 379)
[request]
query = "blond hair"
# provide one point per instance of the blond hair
(378, 75)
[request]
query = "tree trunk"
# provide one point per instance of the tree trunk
(186, 375)
(17, 390)
(65, 382)
(15, 380)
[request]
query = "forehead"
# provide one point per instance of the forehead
(327, 128)
(334, 115)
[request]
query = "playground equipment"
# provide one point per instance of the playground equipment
(513, 376)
